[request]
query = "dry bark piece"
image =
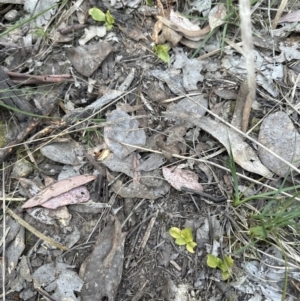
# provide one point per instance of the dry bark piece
(57, 189)
(86, 59)
(102, 270)
(277, 132)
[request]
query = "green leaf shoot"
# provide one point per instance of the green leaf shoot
(110, 20)
(175, 232)
(162, 52)
(183, 238)
(97, 14)
(150, 2)
(180, 241)
(190, 246)
(224, 265)
(187, 234)
(213, 261)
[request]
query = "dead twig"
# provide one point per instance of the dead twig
(29, 79)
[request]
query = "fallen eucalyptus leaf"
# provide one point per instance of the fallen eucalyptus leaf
(58, 188)
(180, 178)
(102, 270)
(242, 153)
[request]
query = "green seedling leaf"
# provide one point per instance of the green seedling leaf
(162, 52)
(190, 246)
(259, 232)
(180, 241)
(110, 20)
(224, 265)
(225, 275)
(183, 237)
(213, 261)
(175, 232)
(97, 14)
(186, 233)
(228, 261)
(149, 2)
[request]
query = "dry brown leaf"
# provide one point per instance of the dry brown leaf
(242, 153)
(57, 189)
(291, 17)
(194, 35)
(74, 196)
(102, 270)
(180, 178)
(133, 33)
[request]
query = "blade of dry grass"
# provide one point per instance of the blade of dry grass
(279, 13)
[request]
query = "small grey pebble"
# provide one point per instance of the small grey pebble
(12, 15)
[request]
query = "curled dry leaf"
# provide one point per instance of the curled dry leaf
(194, 35)
(179, 178)
(57, 189)
(162, 34)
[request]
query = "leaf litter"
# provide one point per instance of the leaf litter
(117, 95)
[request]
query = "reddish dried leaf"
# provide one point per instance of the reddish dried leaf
(292, 17)
(57, 189)
(179, 178)
(74, 196)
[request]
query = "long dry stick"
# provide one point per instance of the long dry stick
(246, 31)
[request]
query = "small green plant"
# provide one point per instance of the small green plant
(98, 15)
(183, 237)
(224, 265)
(162, 52)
